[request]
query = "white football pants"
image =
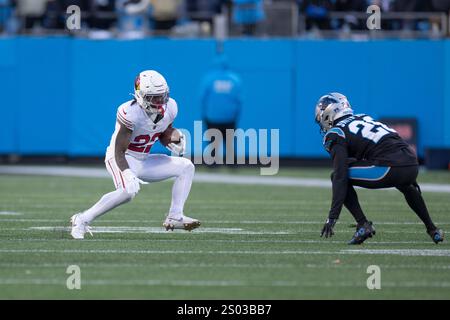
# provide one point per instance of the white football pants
(156, 167)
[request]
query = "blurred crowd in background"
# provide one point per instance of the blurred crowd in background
(139, 18)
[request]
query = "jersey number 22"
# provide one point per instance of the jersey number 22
(370, 129)
(142, 143)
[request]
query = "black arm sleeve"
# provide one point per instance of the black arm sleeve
(340, 179)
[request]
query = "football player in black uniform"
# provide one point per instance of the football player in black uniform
(367, 154)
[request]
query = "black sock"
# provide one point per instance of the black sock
(417, 204)
(352, 205)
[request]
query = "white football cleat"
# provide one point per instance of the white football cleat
(183, 222)
(79, 227)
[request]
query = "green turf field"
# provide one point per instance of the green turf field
(255, 242)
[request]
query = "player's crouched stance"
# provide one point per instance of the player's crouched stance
(140, 123)
(367, 154)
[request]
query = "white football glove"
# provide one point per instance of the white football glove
(180, 147)
(132, 183)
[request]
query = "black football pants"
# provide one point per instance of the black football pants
(366, 175)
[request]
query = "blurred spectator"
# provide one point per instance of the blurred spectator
(248, 14)
(165, 13)
(102, 14)
(385, 5)
(203, 10)
(32, 12)
(411, 5)
(350, 22)
(316, 12)
(137, 17)
(54, 17)
(441, 5)
(133, 19)
(350, 5)
(221, 99)
(6, 12)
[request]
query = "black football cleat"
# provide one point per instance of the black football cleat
(363, 233)
(436, 235)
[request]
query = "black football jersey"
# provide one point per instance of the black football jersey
(366, 139)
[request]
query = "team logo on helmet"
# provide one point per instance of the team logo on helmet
(137, 83)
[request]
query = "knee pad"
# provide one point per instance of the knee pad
(126, 197)
(188, 165)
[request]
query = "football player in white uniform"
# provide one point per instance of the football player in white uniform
(139, 124)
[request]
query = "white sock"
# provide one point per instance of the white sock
(180, 190)
(108, 202)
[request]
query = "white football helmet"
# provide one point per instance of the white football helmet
(329, 108)
(151, 91)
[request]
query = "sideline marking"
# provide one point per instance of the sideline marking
(199, 177)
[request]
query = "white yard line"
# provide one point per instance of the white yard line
(155, 282)
(222, 265)
(181, 252)
(143, 282)
(324, 242)
(402, 252)
(199, 177)
(160, 230)
(237, 222)
(327, 241)
(10, 213)
(221, 283)
(151, 265)
(398, 252)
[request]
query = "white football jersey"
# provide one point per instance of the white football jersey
(145, 132)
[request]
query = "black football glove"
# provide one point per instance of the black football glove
(327, 229)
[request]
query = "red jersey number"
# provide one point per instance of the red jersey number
(143, 143)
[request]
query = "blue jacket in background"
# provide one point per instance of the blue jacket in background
(221, 97)
(132, 22)
(248, 11)
(5, 12)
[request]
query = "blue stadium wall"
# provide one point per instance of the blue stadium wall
(59, 95)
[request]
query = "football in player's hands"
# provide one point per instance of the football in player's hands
(169, 136)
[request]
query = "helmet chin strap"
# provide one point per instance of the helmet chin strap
(156, 116)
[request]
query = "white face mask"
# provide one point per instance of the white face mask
(153, 104)
(156, 99)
